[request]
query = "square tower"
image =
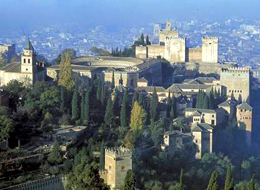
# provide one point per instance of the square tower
(237, 82)
(28, 61)
(244, 119)
(117, 162)
(203, 137)
(210, 49)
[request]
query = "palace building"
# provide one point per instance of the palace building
(28, 70)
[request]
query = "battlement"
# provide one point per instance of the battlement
(118, 151)
(171, 39)
(209, 38)
(236, 70)
(103, 172)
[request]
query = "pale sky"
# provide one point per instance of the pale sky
(120, 13)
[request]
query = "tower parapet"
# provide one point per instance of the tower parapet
(117, 152)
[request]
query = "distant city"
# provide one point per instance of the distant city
(239, 40)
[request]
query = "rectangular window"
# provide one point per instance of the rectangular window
(29, 61)
(212, 122)
(24, 60)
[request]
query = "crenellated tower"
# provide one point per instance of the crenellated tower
(117, 162)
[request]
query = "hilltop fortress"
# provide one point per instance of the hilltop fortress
(172, 47)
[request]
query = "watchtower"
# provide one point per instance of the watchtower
(117, 162)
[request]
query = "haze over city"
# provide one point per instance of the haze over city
(129, 94)
(16, 14)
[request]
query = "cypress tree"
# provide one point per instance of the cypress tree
(109, 114)
(147, 40)
(65, 76)
(138, 116)
(129, 183)
(142, 40)
(83, 108)
(181, 185)
(113, 81)
(123, 112)
(229, 182)
(173, 114)
(211, 100)
(103, 95)
(74, 106)
(251, 184)
(115, 103)
(135, 98)
(141, 100)
(213, 184)
(102, 157)
(99, 89)
(87, 105)
(205, 102)
(198, 100)
(62, 97)
(153, 106)
(169, 104)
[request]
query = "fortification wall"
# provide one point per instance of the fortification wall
(194, 54)
(42, 184)
(207, 68)
(141, 52)
(155, 50)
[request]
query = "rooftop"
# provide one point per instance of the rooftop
(245, 106)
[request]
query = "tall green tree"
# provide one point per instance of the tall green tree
(142, 39)
(211, 100)
(65, 74)
(99, 89)
(109, 114)
(113, 80)
(87, 107)
(138, 116)
(205, 102)
(85, 176)
(124, 108)
(55, 154)
(135, 98)
(181, 185)
(169, 104)
(74, 105)
(102, 157)
(213, 184)
(173, 113)
(147, 40)
(229, 182)
(251, 184)
(141, 100)
(62, 98)
(129, 183)
(6, 126)
(103, 95)
(154, 106)
(83, 108)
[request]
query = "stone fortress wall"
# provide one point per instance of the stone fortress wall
(173, 48)
(237, 82)
(56, 183)
(125, 68)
